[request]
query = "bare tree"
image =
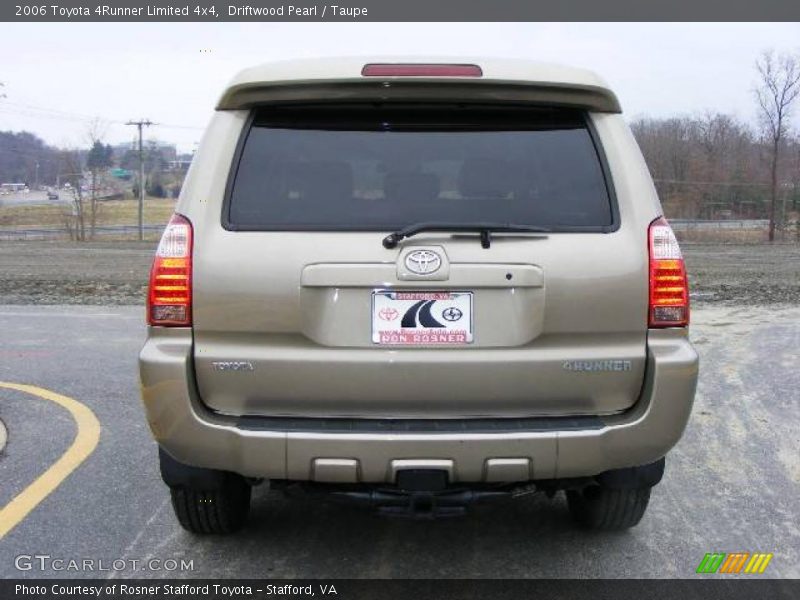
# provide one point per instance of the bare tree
(715, 134)
(777, 90)
(98, 159)
(72, 173)
(796, 188)
(667, 145)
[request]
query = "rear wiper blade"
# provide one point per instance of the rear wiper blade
(485, 229)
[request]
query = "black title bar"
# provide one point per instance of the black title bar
(709, 588)
(399, 10)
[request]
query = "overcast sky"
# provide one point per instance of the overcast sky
(57, 75)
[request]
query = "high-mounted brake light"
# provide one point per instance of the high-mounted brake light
(420, 70)
(169, 299)
(669, 289)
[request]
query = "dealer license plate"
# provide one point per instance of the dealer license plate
(421, 318)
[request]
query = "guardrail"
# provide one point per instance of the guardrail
(44, 233)
(714, 225)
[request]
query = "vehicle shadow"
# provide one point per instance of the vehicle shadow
(308, 536)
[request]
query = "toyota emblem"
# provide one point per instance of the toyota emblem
(423, 262)
(388, 314)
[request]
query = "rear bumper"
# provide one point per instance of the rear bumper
(544, 449)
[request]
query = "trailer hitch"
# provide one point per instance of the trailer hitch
(422, 505)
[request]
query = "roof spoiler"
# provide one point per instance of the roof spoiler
(588, 97)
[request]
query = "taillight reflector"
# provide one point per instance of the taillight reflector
(420, 70)
(169, 299)
(669, 288)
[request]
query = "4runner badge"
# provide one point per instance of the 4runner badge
(596, 365)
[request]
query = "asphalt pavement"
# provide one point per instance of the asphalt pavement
(731, 484)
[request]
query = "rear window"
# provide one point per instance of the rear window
(384, 168)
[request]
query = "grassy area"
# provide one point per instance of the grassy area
(111, 212)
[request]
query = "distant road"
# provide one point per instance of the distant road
(32, 198)
(52, 233)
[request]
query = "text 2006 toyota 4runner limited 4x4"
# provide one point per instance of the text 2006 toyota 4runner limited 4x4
(417, 285)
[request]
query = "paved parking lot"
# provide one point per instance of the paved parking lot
(732, 484)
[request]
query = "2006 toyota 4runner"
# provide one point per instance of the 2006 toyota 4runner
(417, 285)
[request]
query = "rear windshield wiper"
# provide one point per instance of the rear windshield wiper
(485, 229)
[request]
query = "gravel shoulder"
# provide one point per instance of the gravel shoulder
(115, 273)
(743, 274)
(99, 273)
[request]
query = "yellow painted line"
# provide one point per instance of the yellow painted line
(83, 445)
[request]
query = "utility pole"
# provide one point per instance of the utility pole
(139, 124)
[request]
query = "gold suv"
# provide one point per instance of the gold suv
(417, 285)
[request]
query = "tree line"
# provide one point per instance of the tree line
(21, 152)
(81, 174)
(25, 158)
(705, 166)
(714, 166)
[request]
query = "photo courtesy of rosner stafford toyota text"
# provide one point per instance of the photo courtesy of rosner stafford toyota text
(379, 300)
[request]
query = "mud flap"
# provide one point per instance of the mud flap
(643, 476)
(177, 474)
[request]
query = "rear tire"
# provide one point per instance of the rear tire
(215, 511)
(608, 509)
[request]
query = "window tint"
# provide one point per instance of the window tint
(381, 168)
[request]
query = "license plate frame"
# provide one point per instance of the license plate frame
(440, 317)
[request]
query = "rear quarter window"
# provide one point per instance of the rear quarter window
(386, 167)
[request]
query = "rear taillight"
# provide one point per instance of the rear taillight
(169, 300)
(420, 70)
(669, 289)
